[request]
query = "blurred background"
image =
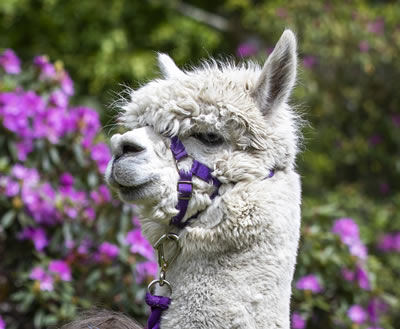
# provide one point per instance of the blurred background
(66, 244)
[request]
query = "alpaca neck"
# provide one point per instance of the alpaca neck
(246, 289)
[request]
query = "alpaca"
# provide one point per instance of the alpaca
(238, 239)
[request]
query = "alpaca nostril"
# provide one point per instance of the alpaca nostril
(131, 148)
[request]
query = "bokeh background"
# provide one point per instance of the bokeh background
(67, 244)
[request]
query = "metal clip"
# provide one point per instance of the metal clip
(163, 262)
(159, 245)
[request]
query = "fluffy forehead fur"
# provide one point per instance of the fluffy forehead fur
(219, 98)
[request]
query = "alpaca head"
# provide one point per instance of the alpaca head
(234, 119)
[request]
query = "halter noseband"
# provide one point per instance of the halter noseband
(185, 184)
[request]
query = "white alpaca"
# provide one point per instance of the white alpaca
(238, 256)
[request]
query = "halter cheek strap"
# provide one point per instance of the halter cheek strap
(185, 184)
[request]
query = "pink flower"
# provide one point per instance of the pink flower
(61, 268)
(90, 213)
(309, 282)
(24, 147)
(10, 62)
(11, 187)
(67, 179)
(377, 26)
(2, 323)
(386, 242)
(347, 229)
(375, 308)
(45, 280)
(139, 244)
(357, 314)
(101, 196)
(246, 50)
(298, 322)
(362, 278)
(144, 270)
(348, 275)
(47, 69)
(101, 155)
(67, 84)
(360, 275)
(309, 61)
(37, 235)
(109, 250)
(359, 250)
(59, 99)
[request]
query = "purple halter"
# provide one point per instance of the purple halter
(185, 184)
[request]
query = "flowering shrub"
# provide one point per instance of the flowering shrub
(68, 244)
(82, 246)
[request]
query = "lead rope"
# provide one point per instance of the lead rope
(158, 304)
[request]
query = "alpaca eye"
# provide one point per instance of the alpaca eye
(209, 139)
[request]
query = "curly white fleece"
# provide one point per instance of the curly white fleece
(238, 257)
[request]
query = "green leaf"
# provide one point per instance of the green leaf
(8, 218)
(38, 319)
(54, 156)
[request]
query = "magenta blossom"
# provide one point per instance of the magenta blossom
(377, 26)
(10, 62)
(362, 278)
(101, 155)
(46, 281)
(67, 84)
(246, 50)
(309, 282)
(375, 308)
(309, 61)
(139, 244)
(298, 322)
(10, 186)
(67, 179)
(47, 70)
(347, 230)
(357, 314)
(61, 268)
(89, 213)
(36, 235)
(144, 270)
(109, 250)
(101, 196)
(59, 99)
(2, 323)
(24, 147)
(390, 242)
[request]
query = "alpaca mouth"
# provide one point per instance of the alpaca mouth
(136, 193)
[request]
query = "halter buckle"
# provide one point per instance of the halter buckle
(184, 195)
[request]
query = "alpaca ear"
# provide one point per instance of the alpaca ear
(278, 75)
(168, 67)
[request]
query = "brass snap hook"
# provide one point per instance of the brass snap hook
(159, 245)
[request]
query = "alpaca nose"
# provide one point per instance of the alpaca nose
(131, 148)
(120, 146)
